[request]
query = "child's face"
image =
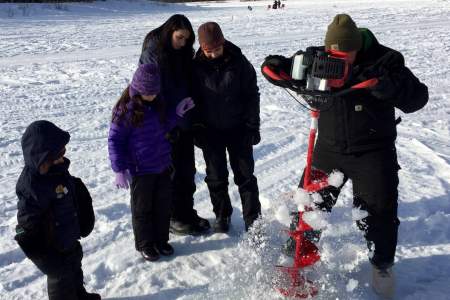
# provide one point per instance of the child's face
(45, 167)
(148, 98)
(214, 53)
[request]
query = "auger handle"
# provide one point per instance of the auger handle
(359, 86)
(365, 84)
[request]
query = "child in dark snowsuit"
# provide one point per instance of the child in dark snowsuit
(140, 154)
(54, 211)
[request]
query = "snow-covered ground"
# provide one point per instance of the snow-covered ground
(69, 65)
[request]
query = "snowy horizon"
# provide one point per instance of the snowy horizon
(69, 66)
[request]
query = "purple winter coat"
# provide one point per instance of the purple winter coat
(143, 149)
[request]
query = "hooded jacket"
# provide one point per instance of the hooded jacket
(47, 209)
(225, 89)
(143, 149)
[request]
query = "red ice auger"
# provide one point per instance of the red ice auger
(314, 74)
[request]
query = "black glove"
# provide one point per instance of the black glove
(31, 241)
(277, 64)
(174, 135)
(383, 69)
(199, 133)
(384, 89)
(392, 60)
(252, 137)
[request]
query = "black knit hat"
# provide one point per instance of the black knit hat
(343, 35)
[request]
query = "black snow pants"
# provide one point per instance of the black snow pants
(64, 273)
(374, 175)
(242, 163)
(151, 197)
(183, 159)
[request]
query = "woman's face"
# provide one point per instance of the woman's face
(179, 38)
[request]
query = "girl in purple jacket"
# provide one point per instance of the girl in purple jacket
(140, 154)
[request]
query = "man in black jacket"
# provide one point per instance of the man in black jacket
(227, 101)
(357, 136)
(54, 211)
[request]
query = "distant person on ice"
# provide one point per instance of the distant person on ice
(357, 137)
(140, 155)
(170, 46)
(54, 211)
(227, 103)
(275, 4)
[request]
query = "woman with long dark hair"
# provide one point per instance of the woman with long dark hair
(170, 46)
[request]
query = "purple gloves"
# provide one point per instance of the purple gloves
(184, 105)
(123, 179)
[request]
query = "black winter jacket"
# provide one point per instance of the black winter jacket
(175, 77)
(225, 90)
(360, 121)
(175, 80)
(48, 205)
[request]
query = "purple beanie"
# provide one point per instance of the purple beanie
(146, 81)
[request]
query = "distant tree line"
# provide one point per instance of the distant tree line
(62, 1)
(42, 1)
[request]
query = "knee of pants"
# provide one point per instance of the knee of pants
(243, 172)
(379, 206)
(216, 184)
(184, 185)
(141, 206)
(48, 266)
(184, 173)
(383, 212)
(245, 182)
(374, 226)
(216, 174)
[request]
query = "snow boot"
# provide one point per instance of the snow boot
(198, 226)
(222, 225)
(383, 281)
(164, 249)
(201, 224)
(150, 254)
(180, 228)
